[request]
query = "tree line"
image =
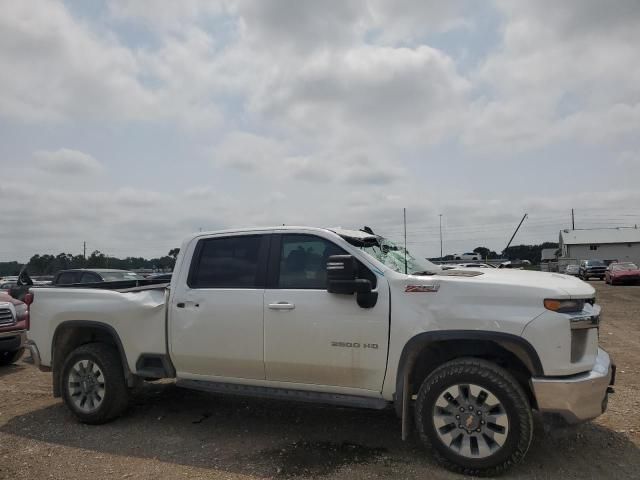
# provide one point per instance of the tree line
(516, 252)
(50, 264)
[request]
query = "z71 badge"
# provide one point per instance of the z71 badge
(354, 345)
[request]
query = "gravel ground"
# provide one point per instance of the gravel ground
(175, 433)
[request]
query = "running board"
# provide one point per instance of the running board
(285, 394)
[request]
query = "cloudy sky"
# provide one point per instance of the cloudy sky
(129, 124)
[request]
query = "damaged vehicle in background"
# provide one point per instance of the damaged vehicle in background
(14, 322)
(342, 317)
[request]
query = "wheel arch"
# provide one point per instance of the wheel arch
(71, 334)
(426, 351)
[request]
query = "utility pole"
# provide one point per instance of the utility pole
(573, 221)
(84, 250)
(404, 212)
(440, 237)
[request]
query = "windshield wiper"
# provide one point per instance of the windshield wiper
(423, 273)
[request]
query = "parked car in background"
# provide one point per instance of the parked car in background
(467, 256)
(93, 275)
(160, 276)
(592, 268)
(14, 323)
(623, 272)
(474, 265)
(5, 287)
(573, 270)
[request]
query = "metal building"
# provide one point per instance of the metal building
(620, 244)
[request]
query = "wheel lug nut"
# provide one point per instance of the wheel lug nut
(470, 407)
(460, 426)
(482, 422)
(461, 409)
(478, 430)
(458, 417)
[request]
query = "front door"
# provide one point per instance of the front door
(216, 323)
(316, 337)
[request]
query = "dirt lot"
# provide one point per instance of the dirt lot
(174, 433)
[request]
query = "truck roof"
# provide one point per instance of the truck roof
(356, 234)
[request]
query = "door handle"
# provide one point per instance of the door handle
(184, 304)
(282, 306)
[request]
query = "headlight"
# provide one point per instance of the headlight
(564, 306)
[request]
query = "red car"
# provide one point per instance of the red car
(625, 272)
(14, 323)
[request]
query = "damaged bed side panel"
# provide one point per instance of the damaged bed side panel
(138, 316)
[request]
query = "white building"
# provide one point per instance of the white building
(621, 244)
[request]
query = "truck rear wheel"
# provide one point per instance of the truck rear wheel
(475, 417)
(93, 384)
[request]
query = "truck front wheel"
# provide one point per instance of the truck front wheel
(93, 384)
(475, 417)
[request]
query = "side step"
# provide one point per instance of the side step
(285, 394)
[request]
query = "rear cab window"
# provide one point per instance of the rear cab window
(67, 278)
(229, 262)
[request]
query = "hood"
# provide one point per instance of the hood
(571, 286)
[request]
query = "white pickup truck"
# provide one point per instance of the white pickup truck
(338, 317)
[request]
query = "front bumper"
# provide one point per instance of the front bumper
(12, 341)
(577, 398)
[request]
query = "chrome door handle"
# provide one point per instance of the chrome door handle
(282, 306)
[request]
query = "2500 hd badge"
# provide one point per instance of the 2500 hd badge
(354, 345)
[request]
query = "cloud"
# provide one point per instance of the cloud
(67, 162)
(277, 161)
(565, 71)
(56, 67)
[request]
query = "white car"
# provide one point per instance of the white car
(573, 270)
(474, 265)
(467, 256)
(339, 317)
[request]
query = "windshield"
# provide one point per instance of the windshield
(624, 266)
(393, 256)
(595, 263)
(116, 276)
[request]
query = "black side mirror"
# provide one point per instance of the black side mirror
(342, 272)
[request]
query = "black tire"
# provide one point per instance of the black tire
(7, 358)
(511, 396)
(116, 394)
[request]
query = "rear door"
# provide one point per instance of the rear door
(316, 337)
(216, 311)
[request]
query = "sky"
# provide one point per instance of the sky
(129, 124)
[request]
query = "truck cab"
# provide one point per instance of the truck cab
(342, 317)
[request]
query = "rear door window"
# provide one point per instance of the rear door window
(229, 262)
(67, 278)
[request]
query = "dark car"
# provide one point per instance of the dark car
(93, 275)
(14, 322)
(5, 287)
(592, 268)
(160, 276)
(623, 272)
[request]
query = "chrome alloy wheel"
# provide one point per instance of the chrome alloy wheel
(471, 421)
(86, 386)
